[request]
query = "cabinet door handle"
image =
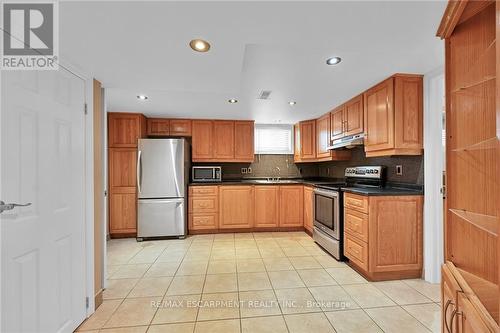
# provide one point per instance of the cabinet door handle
(455, 313)
(448, 302)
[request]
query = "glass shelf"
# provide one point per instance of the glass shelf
(484, 222)
(491, 143)
(484, 67)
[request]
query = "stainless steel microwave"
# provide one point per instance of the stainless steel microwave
(206, 174)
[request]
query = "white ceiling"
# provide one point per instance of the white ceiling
(138, 47)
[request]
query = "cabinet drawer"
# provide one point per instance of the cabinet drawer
(356, 202)
(203, 190)
(205, 204)
(356, 251)
(356, 224)
(203, 221)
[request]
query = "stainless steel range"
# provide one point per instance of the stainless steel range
(328, 206)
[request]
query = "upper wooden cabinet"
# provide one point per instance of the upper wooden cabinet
(125, 128)
(323, 136)
(222, 141)
(353, 116)
(307, 139)
(266, 206)
(180, 127)
(236, 207)
(337, 123)
(393, 116)
(158, 127)
(169, 127)
(296, 140)
(203, 134)
(244, 141)
(291, 206)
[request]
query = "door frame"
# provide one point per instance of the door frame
(89, 183)
(433, 179)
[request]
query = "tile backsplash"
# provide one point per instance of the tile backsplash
(284, 167)
(268, 166)
(413, 166)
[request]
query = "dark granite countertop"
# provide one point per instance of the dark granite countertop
(261, 181)
(389, 189)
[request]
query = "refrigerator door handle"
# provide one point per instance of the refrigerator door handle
(159, 201)
(139, 170)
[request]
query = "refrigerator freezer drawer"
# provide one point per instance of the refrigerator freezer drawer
(161, 217)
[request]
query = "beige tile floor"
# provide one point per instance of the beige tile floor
(260, 282)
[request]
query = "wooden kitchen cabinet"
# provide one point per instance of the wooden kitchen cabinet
(244, 150)
(168, 127)
(180, 127)
(125, 128)
(308, 140)
(158, 127)
(353, 116)
(266, 206)
(296, 141)
(123, 213)
(337, 123)
(323, 136)
(202, 140)
(462, 310)
(308, 208)
(236, 207)
(291, 206)
(122, 168)
(383, 235)
(393, 116)
(471, 33)
(203, 209)
(223, 140)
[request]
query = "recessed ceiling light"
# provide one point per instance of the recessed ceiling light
(333, 60)
(292, 102)
(232, 101)
(199, 45)
(142, 97)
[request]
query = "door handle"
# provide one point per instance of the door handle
(139, 170)
(10, 206)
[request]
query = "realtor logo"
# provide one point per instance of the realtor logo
(29, 36)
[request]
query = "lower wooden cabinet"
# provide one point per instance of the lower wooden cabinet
(122, 213)
(266, 206)
(291, 206)
(248, 207)
(203, 208)
(383, 235)
(462, 311)
(308, 208)
(236, 207)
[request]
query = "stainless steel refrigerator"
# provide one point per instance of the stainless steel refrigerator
(162, 179)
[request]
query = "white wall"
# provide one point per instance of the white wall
(433, 171)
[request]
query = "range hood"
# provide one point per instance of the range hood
(348, 142)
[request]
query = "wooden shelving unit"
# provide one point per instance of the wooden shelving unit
(470, 30)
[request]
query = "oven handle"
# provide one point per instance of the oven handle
(331, 194)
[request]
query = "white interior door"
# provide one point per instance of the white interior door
(42, 163)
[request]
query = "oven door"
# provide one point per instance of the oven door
(327, 212)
